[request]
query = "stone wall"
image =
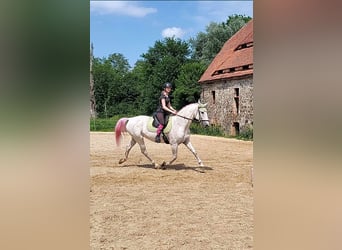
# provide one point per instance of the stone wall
(230, 103)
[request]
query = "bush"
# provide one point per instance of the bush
(246, 134)
(213, 130)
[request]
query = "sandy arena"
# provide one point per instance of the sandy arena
(134, 206)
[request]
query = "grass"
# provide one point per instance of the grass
(103, 124)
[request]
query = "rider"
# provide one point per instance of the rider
(164, 109)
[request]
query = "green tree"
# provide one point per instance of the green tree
(162, 63)
(103, 76)
(206, 45)
(112, 85)
(188, 89)
(119, 63)
(235, 22)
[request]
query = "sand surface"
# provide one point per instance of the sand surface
(134, 206)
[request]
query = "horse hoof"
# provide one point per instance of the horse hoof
(122, 161)
(156, 166)
(163, 165)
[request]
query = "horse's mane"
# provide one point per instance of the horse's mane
(181, 111)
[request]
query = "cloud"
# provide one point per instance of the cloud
(120, 8)
(173, 32)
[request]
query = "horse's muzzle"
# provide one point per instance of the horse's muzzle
(206, 124)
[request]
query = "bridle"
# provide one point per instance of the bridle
(194, 119)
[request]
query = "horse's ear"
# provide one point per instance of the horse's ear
(202, 104)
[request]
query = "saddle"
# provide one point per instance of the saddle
(153, 123)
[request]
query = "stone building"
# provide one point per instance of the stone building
(227, 84)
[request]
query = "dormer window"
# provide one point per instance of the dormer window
(231, 70)
(244, 46)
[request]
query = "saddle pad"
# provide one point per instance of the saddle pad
(153, 129)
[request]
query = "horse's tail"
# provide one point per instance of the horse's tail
(119, 128)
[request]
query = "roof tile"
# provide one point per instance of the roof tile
(231, 61)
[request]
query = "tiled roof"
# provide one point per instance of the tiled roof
(235, 58)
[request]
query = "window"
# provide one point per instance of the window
(236, 99)
(213, 95)
(232, 69)
(244, 46)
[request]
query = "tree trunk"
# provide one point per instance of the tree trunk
(92, 93)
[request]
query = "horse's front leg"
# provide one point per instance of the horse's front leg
(188, 144)
(174, 148)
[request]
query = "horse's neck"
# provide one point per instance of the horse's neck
(189, 113)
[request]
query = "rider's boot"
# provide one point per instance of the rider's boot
(159, 129)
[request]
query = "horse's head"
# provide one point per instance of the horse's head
(202, 114)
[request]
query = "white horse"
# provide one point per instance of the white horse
(180, 131)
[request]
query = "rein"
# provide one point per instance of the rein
(187, 118)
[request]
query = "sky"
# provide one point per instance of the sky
(132, 27)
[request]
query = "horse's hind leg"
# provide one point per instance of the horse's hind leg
(144, 152)
(128, 148)
(174, 148)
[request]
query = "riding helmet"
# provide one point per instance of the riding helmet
(167, 85)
